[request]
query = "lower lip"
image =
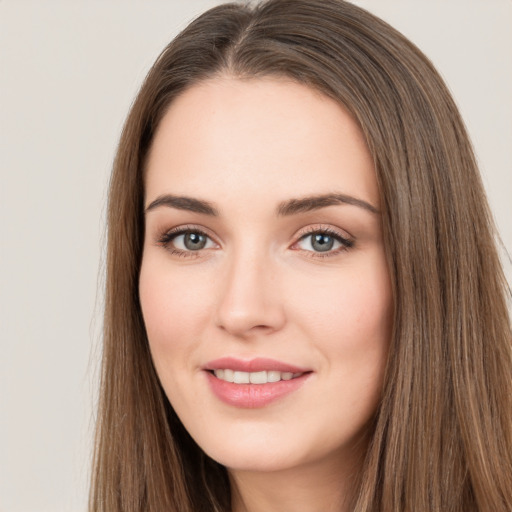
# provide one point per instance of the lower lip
(252, 396)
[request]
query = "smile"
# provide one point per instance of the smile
(255, 383)
(261, 377)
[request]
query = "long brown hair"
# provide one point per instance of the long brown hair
(442, 437)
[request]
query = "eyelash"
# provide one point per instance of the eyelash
(345, 243)
(166, 239)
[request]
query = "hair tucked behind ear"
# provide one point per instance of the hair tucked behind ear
(443, 433)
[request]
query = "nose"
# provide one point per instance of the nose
(250, 301)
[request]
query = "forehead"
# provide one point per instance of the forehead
(230, 137)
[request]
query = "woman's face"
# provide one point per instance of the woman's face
(264, 285)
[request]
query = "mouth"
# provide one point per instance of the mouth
(255, 383)
(261, 377)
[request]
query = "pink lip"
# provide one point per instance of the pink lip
(254, 365)
(251, 396)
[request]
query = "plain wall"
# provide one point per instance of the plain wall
(68, 72)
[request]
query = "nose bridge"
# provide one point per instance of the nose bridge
(250, 298)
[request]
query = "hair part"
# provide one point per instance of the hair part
(442, 437)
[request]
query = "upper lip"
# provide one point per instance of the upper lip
(258, 364)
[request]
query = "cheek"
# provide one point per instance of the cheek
(174, 307)
(349, 319)
(353, 308)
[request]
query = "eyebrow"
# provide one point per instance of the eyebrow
(286, 208)
(310, 203)
(183, 203)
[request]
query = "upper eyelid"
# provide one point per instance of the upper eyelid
(323, 228)
(189, 228)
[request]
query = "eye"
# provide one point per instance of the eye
(323, 241)
(191, 241)
(186, 240)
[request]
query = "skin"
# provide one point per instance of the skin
(259, 288)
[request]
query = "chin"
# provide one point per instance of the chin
(249, 449)
(255, 460)
(271, 450)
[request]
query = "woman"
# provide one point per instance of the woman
(305, 309)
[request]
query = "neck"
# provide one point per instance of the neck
(325, 486)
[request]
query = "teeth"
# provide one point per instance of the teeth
(229, 375)
(253, 377)
(258, 377)
(241, 378)
(273, 376)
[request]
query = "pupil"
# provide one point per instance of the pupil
(322, 242)
(194, 241)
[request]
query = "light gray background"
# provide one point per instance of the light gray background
(68, 73)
